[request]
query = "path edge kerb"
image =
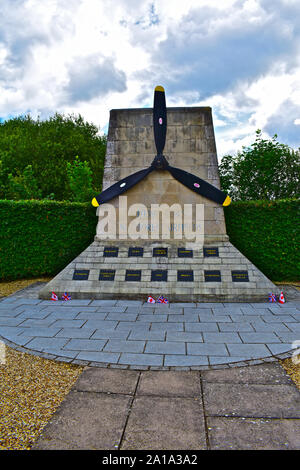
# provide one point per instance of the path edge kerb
(86, 363)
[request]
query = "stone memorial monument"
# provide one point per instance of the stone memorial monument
(161, 227)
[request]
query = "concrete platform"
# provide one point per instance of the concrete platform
(137, 335)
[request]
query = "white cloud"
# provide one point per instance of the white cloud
(241, 57)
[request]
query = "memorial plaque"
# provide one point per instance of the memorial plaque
(81, 274)
(185, 276)
(183, 253)
(210, 251)
(135, 251)
(159, 275)
(160, 252)
(212, 276)
(107, 275)
(111, 251)
(239, 276)
(132, 275)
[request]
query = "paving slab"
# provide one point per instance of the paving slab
(164, 424)
(171, 384)
(252, 400)
(86, 421)
(96, 379)
(253, 433)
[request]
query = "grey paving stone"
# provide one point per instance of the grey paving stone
(181, 424)
(69, 323)
(221, 337)
(184, 360)
(172, 384)
(133, 326)
(103, 303)
(85, 344)
(185, 336)
(141, 359)
(236, 327)
(129, 303)
(111, 309)
(167, 326)
(278, 318)
(261, 326)
(294, 327)
(213, 360)
(10, 330)
(41, 331)
(33, 322)
(147, 335)
(210, 326)
(101, 380)
(8, 321)
(24, 301)
(124, 346)
(263, 337)
(253, 433)
(62, 314)
(197, 311)
(256, 311)
(215, 318)
(95, 356)
(239, 318)
(110, 334)
(64, 355)
(45, 344)
(288, 337)
(102, 420)
(152, 318)
(206, 349)
(103, 324)
(251, 400)
(162, 347)
(279, 348)
(75, 333)
(122, 316)
(17, 339)
(183, 318)
(250, 350)
(5, 312)
(91, 316)
(35, 314)
(272, 373)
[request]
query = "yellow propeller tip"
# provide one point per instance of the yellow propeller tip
(227, 201)
(159, 88)
(95, 202)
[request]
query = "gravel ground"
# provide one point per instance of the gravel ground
(31, 388)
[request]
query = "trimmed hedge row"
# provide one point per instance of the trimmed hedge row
(267, 233)
(39, 238)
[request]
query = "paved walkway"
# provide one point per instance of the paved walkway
(242, 408)
(138, 335)
(254, 407)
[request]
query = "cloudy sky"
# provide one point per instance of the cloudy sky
(241, 57)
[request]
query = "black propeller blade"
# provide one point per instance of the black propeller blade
(200, 186)
(190, 181)
(120, 187)
(159, 119)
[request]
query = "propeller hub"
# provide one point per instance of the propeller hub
(160, 162)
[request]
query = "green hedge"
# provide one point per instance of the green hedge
(39, 238)
(267, 233)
